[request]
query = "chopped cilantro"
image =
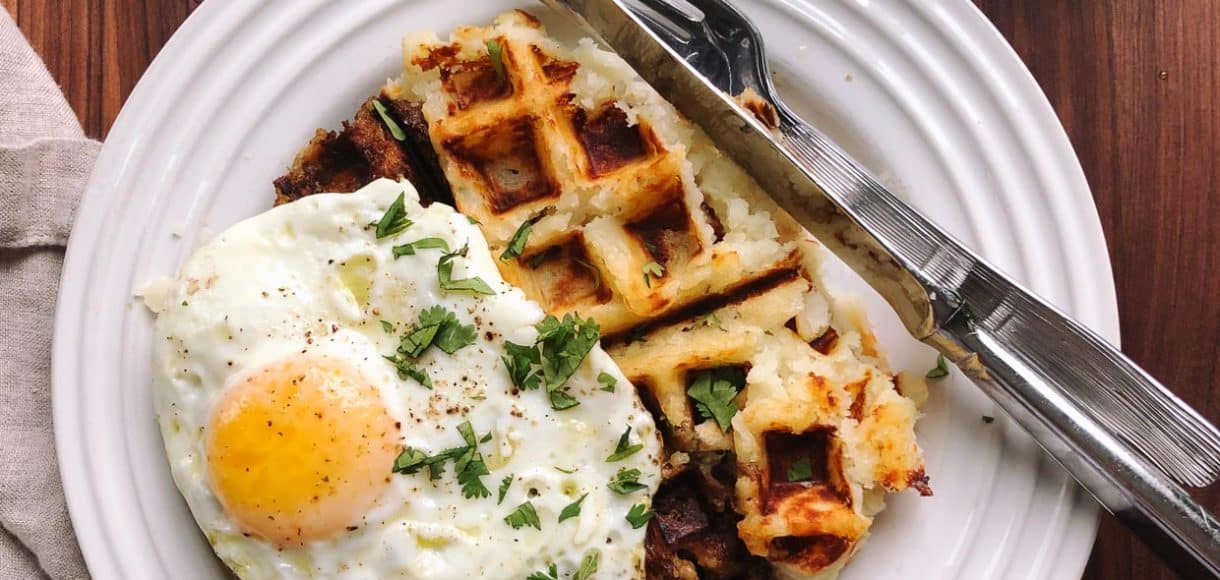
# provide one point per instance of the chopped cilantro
(571, 510)
(467, 463)
(712, 320)
(524, 365)
(652, 270)
(524, 515)
(551, 573)
(638, 515)
(444, 270)
(557, 352)
(495, 53)
(394, 220)
(626, 481)
(410, 461)
(473, 222)
(607, 381)
(561, 400)
(185, 303)
(516, 244)
(387, 327)
(408, 370)
(588, 566)
(714, 392)
(409, 248)
(801, 470)
(537, 260)
(505, 483)
(624, 449)
(941, 370)
(562, 470)
(597, 275)
(453, 337)
(389, 121)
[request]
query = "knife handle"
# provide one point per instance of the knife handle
(1117, 431)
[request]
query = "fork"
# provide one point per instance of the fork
(1122, 435)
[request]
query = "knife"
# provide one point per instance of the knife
(1123, 436)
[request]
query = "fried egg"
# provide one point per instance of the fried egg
(306, 443)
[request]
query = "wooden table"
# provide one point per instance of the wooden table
(1136, 87)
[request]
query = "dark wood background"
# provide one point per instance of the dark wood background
(1135, 83)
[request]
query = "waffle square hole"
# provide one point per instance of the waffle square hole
(565, 277)
(555, 70)
(667, 233)
(476, 81)
(507, 159)
(798, 462)
(609, 141)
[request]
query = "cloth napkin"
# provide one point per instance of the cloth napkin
(44, 162)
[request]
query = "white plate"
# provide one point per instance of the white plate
(925, 92)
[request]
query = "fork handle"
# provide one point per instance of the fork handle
(1026, 356)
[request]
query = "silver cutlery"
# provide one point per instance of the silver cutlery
(1127, 439)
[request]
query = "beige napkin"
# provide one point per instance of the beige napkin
(44, 162)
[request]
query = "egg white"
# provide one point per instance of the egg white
(310, 276)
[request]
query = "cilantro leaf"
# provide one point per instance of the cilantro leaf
(524, 365)
(524, 515)
(495, 53)
(638, 515)
(389, 121)
(714, 392)
(409, 248)
(410, 461)
(387, 327)
(556, 354)
(551, 573)
(438, 326)
(607, 381)
(624, 449)
(394, 220)
(467, 463)
(801, 470)
(453, 336)
(572, 510)
(521, 237)
(505, 483)
(408, 370)
(561, 400)
(414, 343)
(564, 345)
(652, 270)
(941, 370)
(626, 481)
(588, 566)
(470, 478)
(444, 270)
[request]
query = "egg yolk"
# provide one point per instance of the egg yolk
(299, 449)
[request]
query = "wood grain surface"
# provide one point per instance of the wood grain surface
(1135, 83)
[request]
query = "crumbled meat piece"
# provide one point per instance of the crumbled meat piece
(690, 536)
(364, 151)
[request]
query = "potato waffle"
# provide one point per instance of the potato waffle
(694, 274)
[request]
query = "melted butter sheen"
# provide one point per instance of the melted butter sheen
(298, 449)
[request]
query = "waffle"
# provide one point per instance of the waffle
(695, 277)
